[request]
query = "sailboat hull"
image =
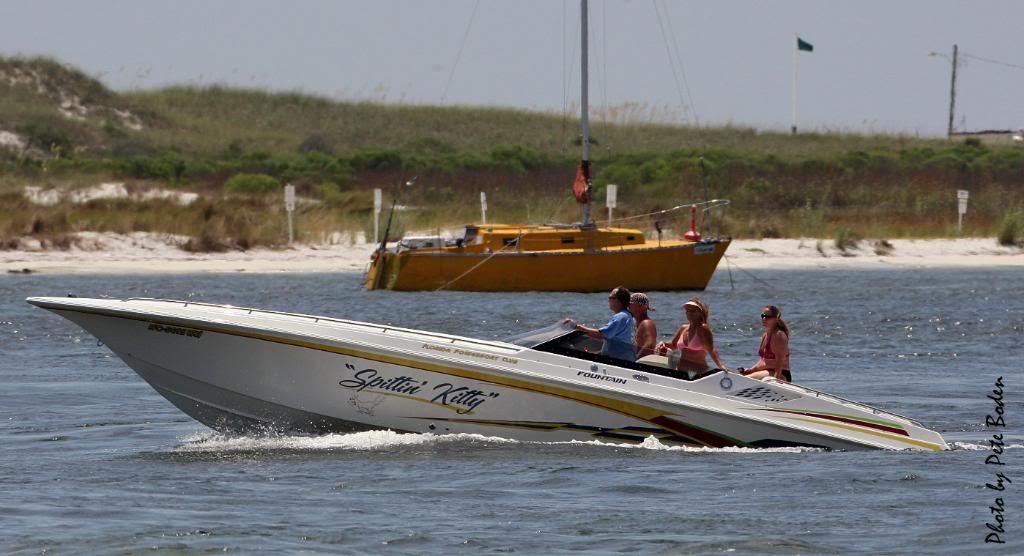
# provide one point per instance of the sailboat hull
(674, 265)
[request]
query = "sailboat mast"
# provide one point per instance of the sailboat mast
(584, 112)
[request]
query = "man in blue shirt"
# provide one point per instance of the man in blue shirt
(618, 333)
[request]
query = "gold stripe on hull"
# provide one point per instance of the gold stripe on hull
(888, 436)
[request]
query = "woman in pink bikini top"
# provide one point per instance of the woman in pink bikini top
(694, 340)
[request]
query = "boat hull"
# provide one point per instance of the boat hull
(675, 265)
(238, 369)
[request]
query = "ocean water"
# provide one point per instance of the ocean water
(94, 461)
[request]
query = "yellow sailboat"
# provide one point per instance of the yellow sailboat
(548, 258)
(580, 258)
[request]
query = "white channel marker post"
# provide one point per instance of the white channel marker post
(613, 193)
(961, 196)
(378, 204)
(483, 207)
(289, 205)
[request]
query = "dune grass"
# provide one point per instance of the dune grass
(232, 146)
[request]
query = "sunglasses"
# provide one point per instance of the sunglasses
(767, 316)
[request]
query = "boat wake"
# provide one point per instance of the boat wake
(383, 440)
(210, 441)
(652, 443)
(972, 446)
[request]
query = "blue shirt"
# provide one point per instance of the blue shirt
(618, 336)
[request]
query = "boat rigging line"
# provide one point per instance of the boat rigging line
(477, 265)
(662, 20)
(458, 55)
(761, 281)
(678, 59)
(707, 206)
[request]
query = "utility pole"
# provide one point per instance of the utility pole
(952, 95)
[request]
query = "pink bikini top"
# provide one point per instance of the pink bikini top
(693, 344)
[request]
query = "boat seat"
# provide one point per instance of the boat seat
(654, 360)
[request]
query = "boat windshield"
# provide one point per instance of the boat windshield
(534, 338)
(563, 339)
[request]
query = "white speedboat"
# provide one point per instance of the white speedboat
(234, 368)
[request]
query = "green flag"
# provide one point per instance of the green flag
(804, 45)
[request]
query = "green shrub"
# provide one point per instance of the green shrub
(199, 168)
(855, 160)
(654, 170)
(516, 158)
(275, 165)
(77, 166)
(1011, 229)
(252, 183)
(49, 138)
(166, 166)
(620, 173)
(1007, 161)
(377, 159)
(945, 161)
(316, 143)
(883, 162)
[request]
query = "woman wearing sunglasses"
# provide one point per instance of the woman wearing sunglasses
(694, 341)
(774, 348)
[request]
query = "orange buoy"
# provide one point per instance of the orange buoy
(692, 234)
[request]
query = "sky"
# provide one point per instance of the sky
(710, 62)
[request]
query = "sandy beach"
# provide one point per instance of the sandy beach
(146, 253)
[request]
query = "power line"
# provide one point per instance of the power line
(991, 61)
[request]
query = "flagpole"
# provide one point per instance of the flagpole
(796, 61)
